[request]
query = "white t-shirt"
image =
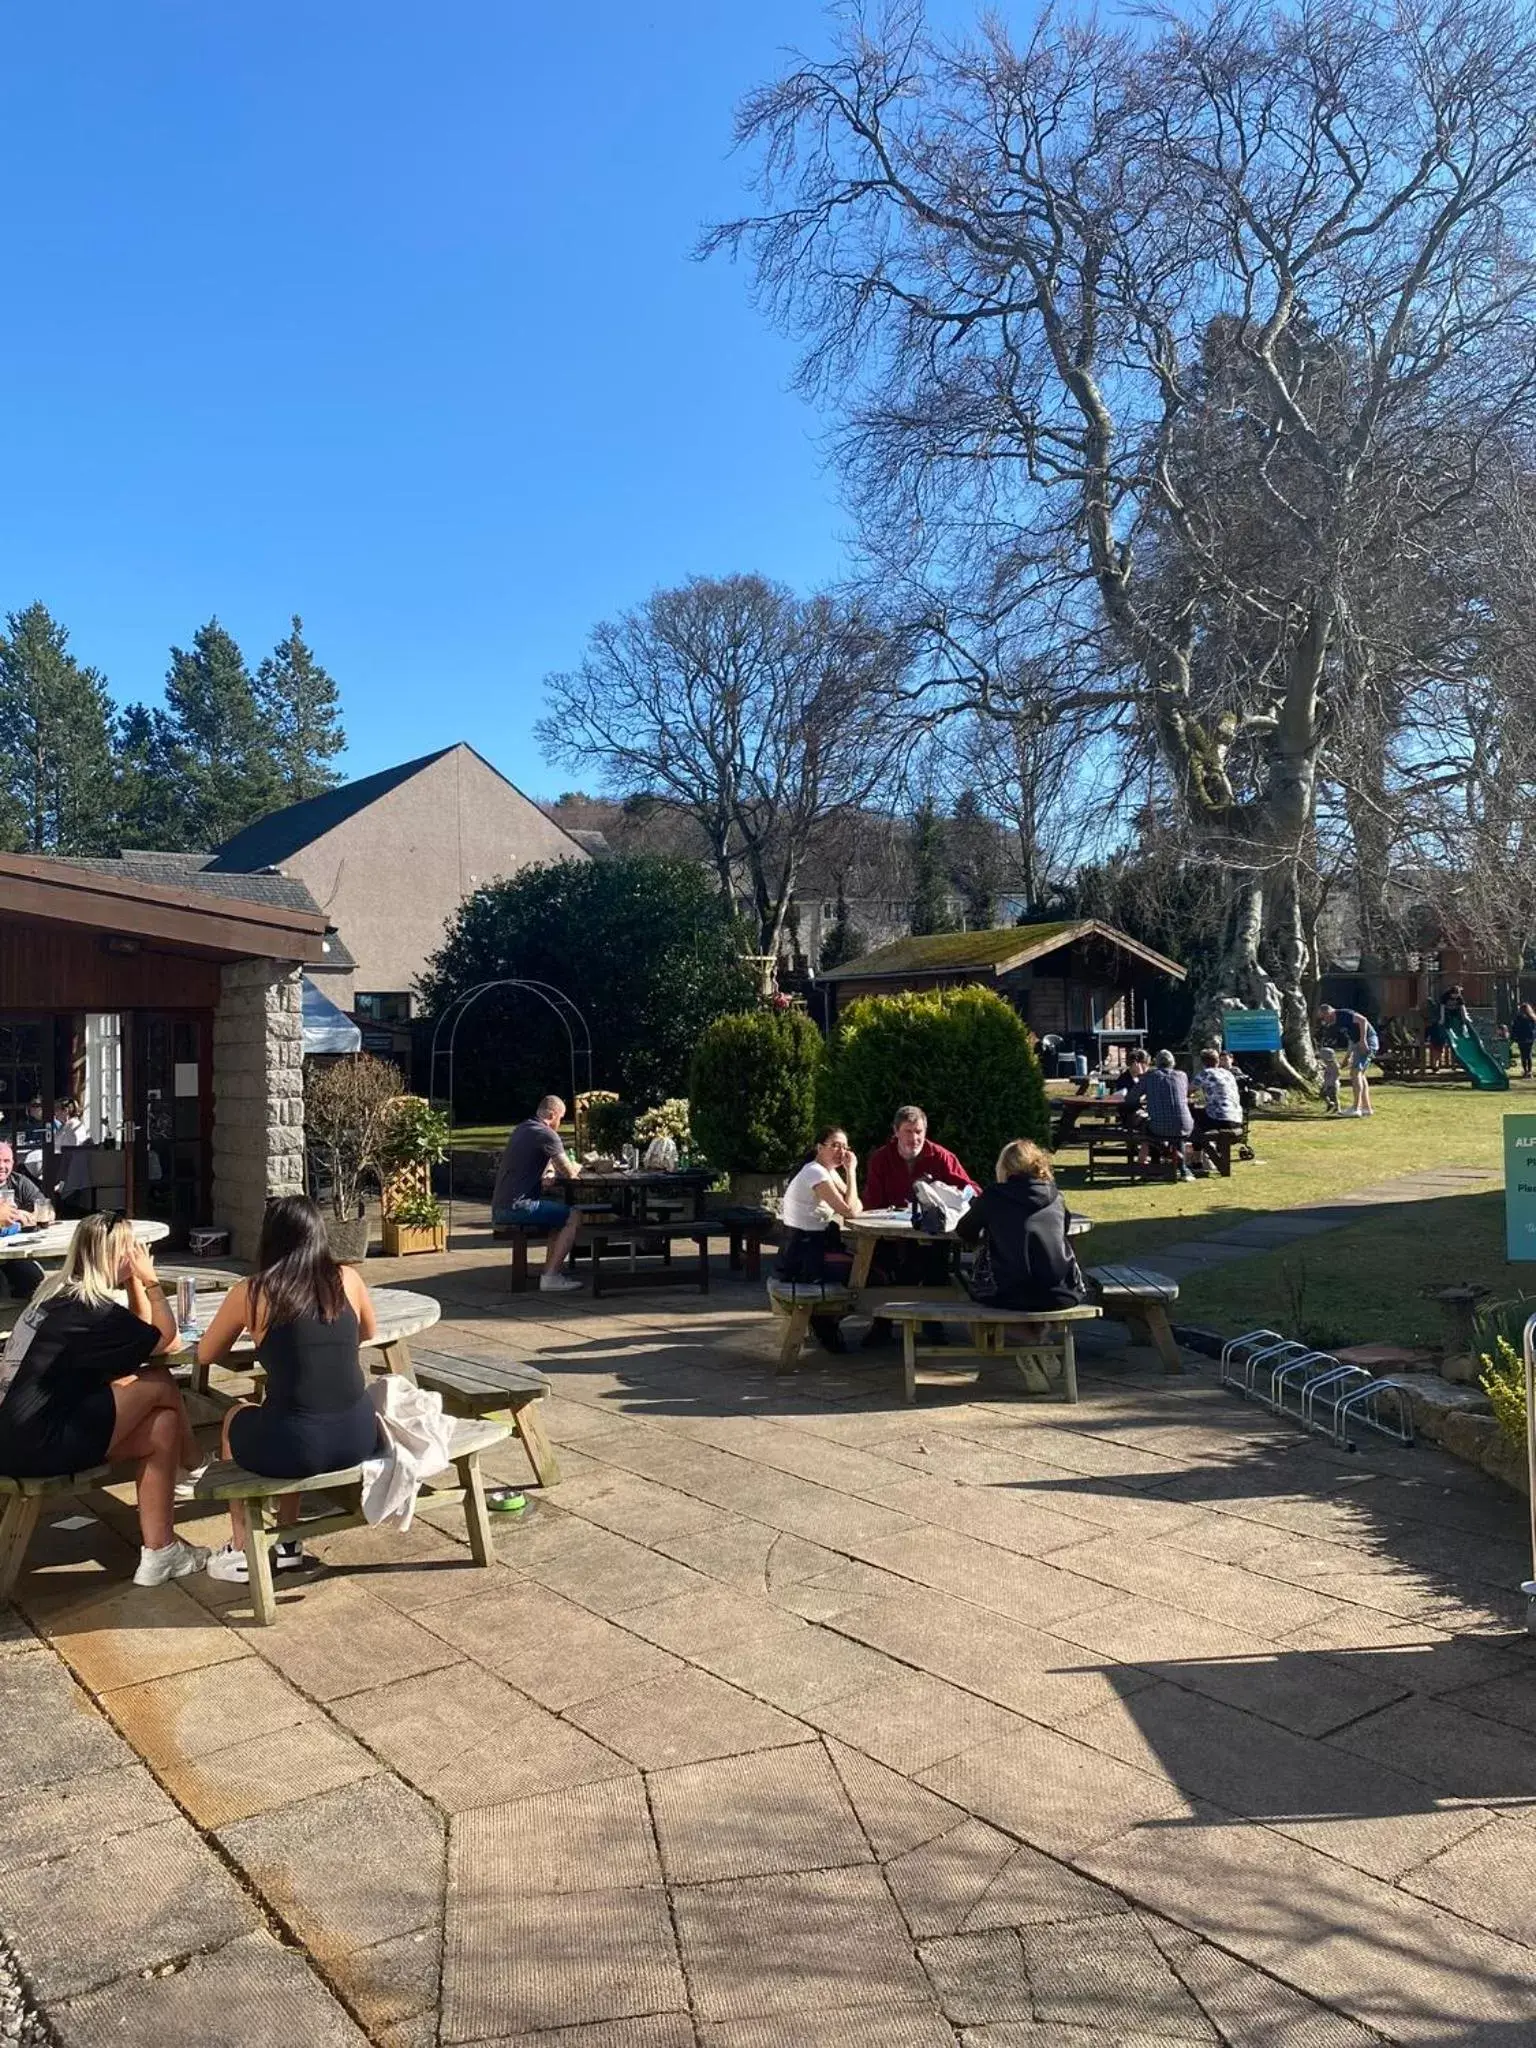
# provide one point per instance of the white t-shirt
(1223, 1104)
(801, 1209)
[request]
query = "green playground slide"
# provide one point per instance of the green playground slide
(1480, 1063)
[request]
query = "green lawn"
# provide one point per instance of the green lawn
(1361, 1281)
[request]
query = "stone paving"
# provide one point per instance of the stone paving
(793, 1718)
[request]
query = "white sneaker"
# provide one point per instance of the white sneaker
(558, 1283)
(186, 1482)
(1349, 1112)
(230, 1564)
(176, 1560)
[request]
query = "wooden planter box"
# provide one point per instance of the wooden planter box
(401, 1239)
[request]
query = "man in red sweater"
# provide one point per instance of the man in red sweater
(910, 1155)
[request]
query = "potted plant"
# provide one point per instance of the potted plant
(414, 1139)
(668, 1121)
(414, 1224)
(346, 1110)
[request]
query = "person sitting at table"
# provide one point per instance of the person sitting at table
(78, 1387)
(1221, 1108)
(23, 1207)
(826, 1187)
(1020, 1224)
(534, 1154)
(307, 1316)
(1169, 1121)
(909, 1155)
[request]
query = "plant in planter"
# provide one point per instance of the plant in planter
(414, 1140)
(668, 1121)
(346, 1109)
(752, 1098)
(609, 1124)
(596, 1100)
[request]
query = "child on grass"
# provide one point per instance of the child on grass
(1328, 1061)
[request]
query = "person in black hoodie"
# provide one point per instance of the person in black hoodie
(1020, 1222)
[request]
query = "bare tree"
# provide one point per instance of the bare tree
(760, 715)
(1079, 288)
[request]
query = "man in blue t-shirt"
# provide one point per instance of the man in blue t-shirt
(1355, 1034)
(533, 1152)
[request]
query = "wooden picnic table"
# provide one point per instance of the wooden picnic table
(50, 1245)
(894, 1226)
(402, 1314)
(1086, 1113)
(631, 1194)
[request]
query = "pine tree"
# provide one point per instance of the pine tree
(930, 877)
(844, 942)
(55, 741)
(210, 742)
(974, 861)
(148, 801)
(301, 711)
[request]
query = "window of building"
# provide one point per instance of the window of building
(382, 1009)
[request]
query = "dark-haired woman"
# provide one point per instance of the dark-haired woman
(307, 1316)
(826, 1187)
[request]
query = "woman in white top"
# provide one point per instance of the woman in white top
(825, 1188)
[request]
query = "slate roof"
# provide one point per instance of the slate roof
(183, 871)
(988, 953)
(278, 837)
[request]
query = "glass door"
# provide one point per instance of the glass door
(168, 1088)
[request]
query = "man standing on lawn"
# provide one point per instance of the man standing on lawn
(534, 1152)
(1358, 1035)
(910, 1155)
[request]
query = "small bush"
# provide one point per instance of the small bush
(964, 1054)
(609, 1125)
(1503, 1381)
(669, 1119)
(752, 1090)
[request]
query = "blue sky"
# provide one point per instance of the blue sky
(386, 314)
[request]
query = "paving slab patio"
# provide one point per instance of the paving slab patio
(797, 1718)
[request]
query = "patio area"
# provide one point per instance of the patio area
(796, 1717)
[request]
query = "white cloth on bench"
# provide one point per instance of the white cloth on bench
(418, 1439)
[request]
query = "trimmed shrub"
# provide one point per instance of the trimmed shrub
(752, 1091)
(964, 1054)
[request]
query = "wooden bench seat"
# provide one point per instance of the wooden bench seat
(24, 1500)
(796, 1303)
(628, 1238)
(232, 1484)
(478, 1386)
(1138, 1296)
(1050, 1340)
(519, 1238)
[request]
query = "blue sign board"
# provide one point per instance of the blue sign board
(1520, 1187)
(1251, 1030)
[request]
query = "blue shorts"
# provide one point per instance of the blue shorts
(533, 1215)
(1360, 1057)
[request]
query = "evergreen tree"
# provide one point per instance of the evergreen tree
(211, 742)
(301, 711)
(844, 942)
(148, 802)
(974, 861)
(930, 872)
(55, 741)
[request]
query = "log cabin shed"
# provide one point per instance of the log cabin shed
(1077, 980)
(169, 1003)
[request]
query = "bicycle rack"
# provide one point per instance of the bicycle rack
(1241, 1356)
(1364, 1406)
(1299, 1375)
(1329, 1398)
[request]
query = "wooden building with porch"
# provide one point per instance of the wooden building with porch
(1079, 981)
(170, 1011)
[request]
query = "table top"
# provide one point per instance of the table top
(53, 1241)
(898, 1223)
(646, 1177)
(401, 1313)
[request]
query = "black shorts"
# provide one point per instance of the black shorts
(296, 1444)
(70, 1442)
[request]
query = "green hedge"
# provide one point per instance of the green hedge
(752, 1090)
(964, 1054)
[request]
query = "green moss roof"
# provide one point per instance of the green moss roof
(984, 952)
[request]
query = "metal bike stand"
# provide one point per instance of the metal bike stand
(1528, 1586)
(1241, 1355)
(1299, 1375)
(1272, 1357)
(1365, 1406)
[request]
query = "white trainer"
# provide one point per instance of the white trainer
(186, 1482)
(231, 1565)
(558, 1283)
(175, 1560)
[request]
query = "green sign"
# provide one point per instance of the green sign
(1251, 1030)
(1520, 1186)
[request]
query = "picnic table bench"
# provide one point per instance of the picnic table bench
(1050, 1340)
(1139, 1297)
(23, 1501)
(478, 1387)
(231, 1484)
(796, 1303)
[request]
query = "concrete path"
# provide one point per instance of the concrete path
(796, 1718)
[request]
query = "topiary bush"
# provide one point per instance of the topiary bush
(752, 1090)
(964, 1054)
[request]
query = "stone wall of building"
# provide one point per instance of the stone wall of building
(258, 1095)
